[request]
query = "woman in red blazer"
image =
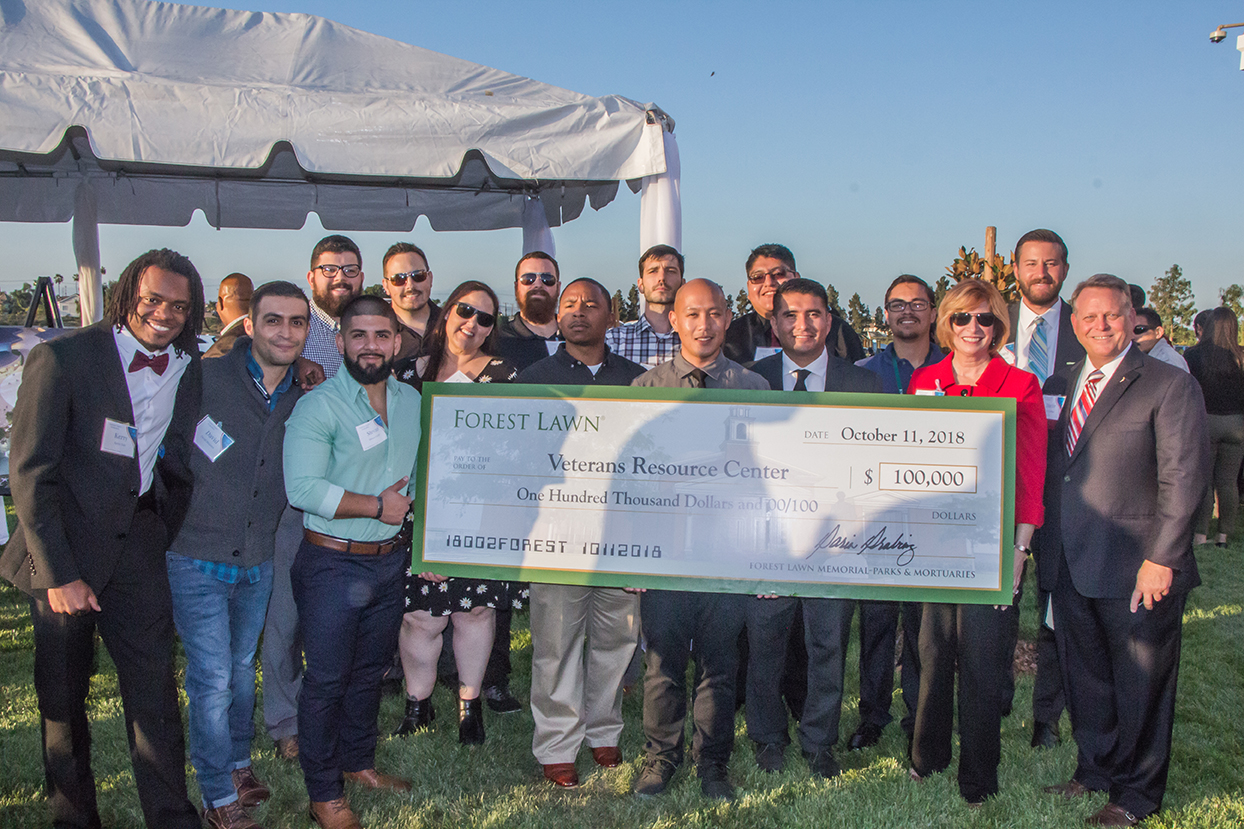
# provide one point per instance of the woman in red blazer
(972, 320)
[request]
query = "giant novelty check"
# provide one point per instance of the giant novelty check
(849, 495)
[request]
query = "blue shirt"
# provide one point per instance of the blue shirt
(332, 446)
(895, 372)
(257, 375)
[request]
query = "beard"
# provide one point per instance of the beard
(1039, 293)
(537, 307)
(330, 303)
(368, 376)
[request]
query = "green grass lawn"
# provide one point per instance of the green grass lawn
(499, 784)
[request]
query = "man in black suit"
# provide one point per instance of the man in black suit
(100, 479)
(1043, 342)
(802, 321)
(1121, 496)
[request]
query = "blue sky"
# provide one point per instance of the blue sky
(873, 138)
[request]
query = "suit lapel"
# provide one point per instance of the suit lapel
(1068, 350)
(1123, 378)
(113, 374)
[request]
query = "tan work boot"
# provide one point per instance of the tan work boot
(334, 814)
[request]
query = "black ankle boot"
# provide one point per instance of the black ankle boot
(471, 721)
(419, 716)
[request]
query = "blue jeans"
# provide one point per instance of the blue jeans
(219, 625)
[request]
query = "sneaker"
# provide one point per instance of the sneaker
(770, 757)
(500, 699)
(713, 782)
(654, 777)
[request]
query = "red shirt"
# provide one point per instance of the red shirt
(1003, 380)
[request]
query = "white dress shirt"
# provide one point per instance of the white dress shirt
(816, 380)
(1107, 372)
(152, 397)
(1023, 336)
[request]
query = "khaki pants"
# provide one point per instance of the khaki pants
(576, 696)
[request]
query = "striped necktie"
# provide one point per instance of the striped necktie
(1039, 351)
(1088, 396)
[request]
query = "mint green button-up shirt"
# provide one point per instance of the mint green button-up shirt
(325, 458)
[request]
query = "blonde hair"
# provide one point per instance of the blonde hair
(964, 297)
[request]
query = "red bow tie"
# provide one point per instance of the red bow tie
(142, 361)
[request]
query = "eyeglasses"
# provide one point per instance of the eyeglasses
(399, 279)
(777, 275)
(330, 271)
(467, 311)
(897, 306)
(961, 319)
(1140, 329)
(545, 278)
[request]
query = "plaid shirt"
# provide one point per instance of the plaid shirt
(322, 341)
(639, 343)
(228, 573)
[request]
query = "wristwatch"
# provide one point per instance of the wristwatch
(379, 507)
(1025, 550)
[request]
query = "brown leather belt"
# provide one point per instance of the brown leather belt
(345, 545)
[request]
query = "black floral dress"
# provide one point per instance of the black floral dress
(459, 595)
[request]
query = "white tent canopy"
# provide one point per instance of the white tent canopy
(135, 112)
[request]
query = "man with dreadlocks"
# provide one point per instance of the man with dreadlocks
(100, 479)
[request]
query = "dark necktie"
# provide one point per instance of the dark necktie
(697, 378)
(142, 361)
(801, 379)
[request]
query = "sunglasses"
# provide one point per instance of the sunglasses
(1140, 329)
(961, 319)
(530, 278)
(399, 279)
(777, 275)
(467, 311)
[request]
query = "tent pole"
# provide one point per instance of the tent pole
(86, 252)
(537, 235)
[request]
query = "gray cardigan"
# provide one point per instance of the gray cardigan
(237, 500)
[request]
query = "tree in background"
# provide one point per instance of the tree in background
(832, 293)
(858, 313)
(879, 321)
(742, 305)
(1171, 296)
(1232, 297)
(971, 265)
(940, 289)
(631, 309)
(619, 306)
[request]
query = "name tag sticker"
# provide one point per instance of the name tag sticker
(211, 439)
(929, 393)
(371, 433)
(763, 351)
(119, 438)
(1053, 405)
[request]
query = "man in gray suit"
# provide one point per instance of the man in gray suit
(1117, 557)
(1044, 343)
(802, 321)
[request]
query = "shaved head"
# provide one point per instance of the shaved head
(234, 298)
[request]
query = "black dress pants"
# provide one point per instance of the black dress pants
(878, 631)
(135, 621)
(976, 636)
(1120, 670)
(672, 620)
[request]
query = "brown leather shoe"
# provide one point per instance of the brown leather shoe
(561, 774)
(607, 756)
(1071, 789)
(230, 816)
(1112, 814)
(251, 790)
(372, 779)
(286, 748)
(334, 814)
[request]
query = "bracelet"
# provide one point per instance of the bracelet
(379, 507)
(1025, 550)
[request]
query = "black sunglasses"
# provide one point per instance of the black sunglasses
(1140, 329)
(530, 278)
(399, 279)
(467, 311)
(962, 318)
